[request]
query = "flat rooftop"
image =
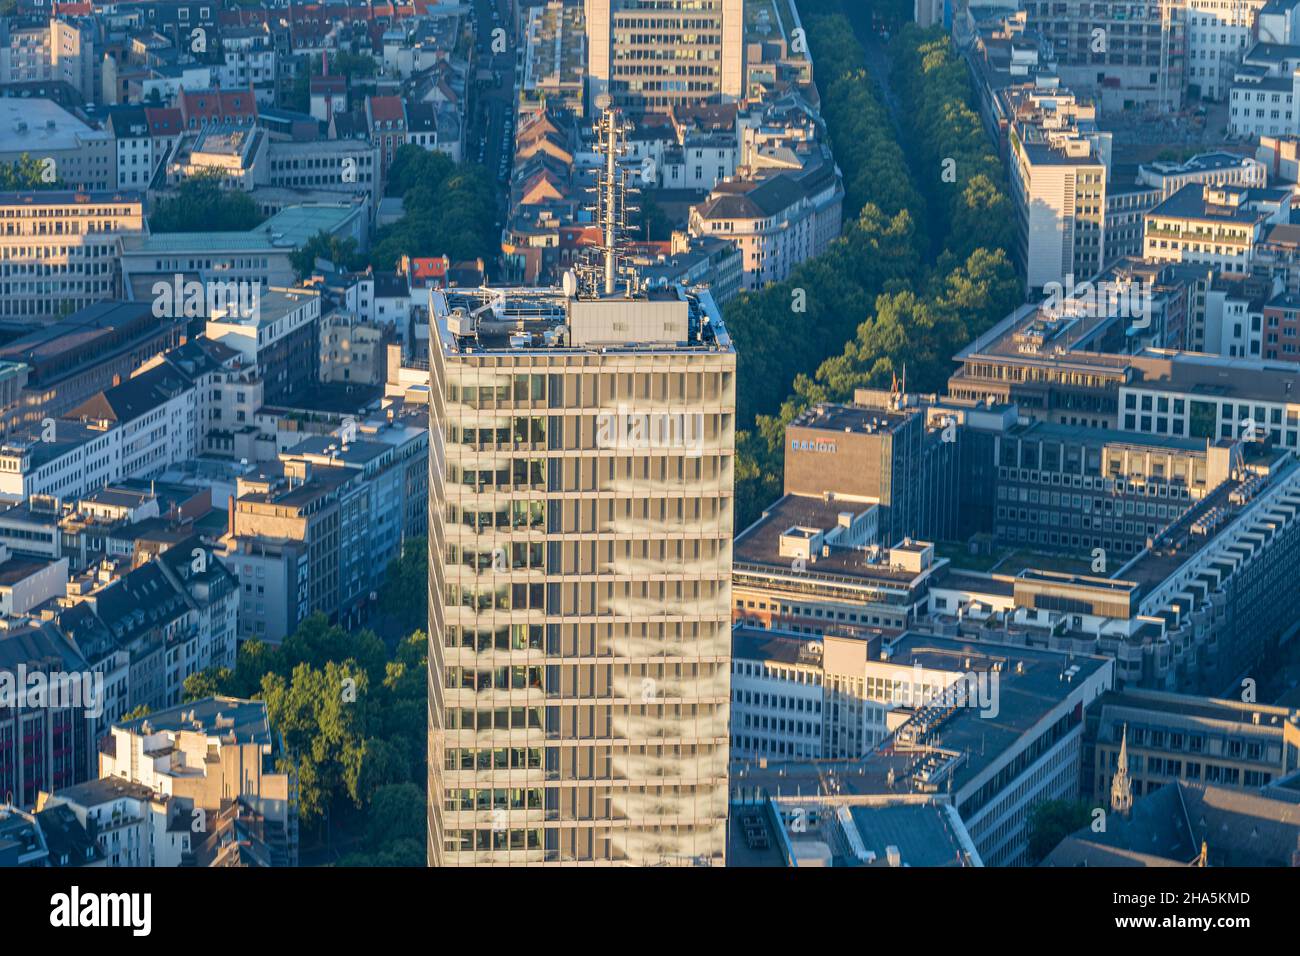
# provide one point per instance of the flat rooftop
(1031, 684)
(760, 544)
(1203, 708)
(40, 126)
(93, 793)
(523, 320)
(289, 229)
(853, 418)
(1179, 543)
(215, 716)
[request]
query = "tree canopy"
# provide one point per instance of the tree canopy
(923, 264)
(200, 204)
(27, 173)
(449, 210)
(354, 721)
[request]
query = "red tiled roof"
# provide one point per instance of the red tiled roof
(385, 108)
(163, 119)
(429, 268)
(218, 104)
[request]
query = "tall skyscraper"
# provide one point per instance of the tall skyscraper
(581, 517)
(655, 54)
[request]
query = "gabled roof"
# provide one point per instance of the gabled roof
(139, 601)
(136, 396)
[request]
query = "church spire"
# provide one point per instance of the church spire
(1121, 787)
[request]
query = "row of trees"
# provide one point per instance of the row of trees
(449, 210)
(790, 327)
(960, 173)
(891, 294)
(354, 719)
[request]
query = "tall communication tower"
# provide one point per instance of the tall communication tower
(599, 273)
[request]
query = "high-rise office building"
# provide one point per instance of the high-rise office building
(580, 522)
(580, 560)
(653, 55)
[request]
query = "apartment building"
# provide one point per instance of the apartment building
(1219, 32)
(386, 124)
(1199, 604)
(49, 51)
(1072, 370)
(1217, 226)
(216, 107)
(1059, 166)
(58, 250)
(262, 255)
(651, 56)
(248, 61)
(322, 511)
(814, 565)
(235, 156)
(127, 823)
(341, 165)
(135, 157)
(1281, 332)
(777, 221)
(580, 563)
(830, 698)
(47, 742)
(280, 337)
(1208, 169)
(1171, 737)
(555, 60)
(210, 763)
(990, 731)
(69, 152)
(73, 358)
(274, 575)
(1264, 100)
(1073, 489)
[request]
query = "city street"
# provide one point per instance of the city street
(489, 142)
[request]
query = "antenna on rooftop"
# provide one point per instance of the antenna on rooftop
(598, 275)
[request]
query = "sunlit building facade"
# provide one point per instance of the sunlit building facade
(581, 518)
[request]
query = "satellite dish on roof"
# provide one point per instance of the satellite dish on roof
(570, 284)
(603, 101)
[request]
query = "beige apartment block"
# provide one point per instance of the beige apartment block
(581, 518)
(58, 250)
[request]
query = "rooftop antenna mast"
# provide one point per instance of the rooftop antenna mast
(600, 277)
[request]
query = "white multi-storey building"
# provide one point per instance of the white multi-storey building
(1060, 167)
(1218, 33)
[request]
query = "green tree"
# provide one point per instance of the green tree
(340, 250)
(404, 593)
(1051, 821)
(397, 812)
(29, 173)
(448, 209)
(207, 683)
(324, 730)
(200, 204)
